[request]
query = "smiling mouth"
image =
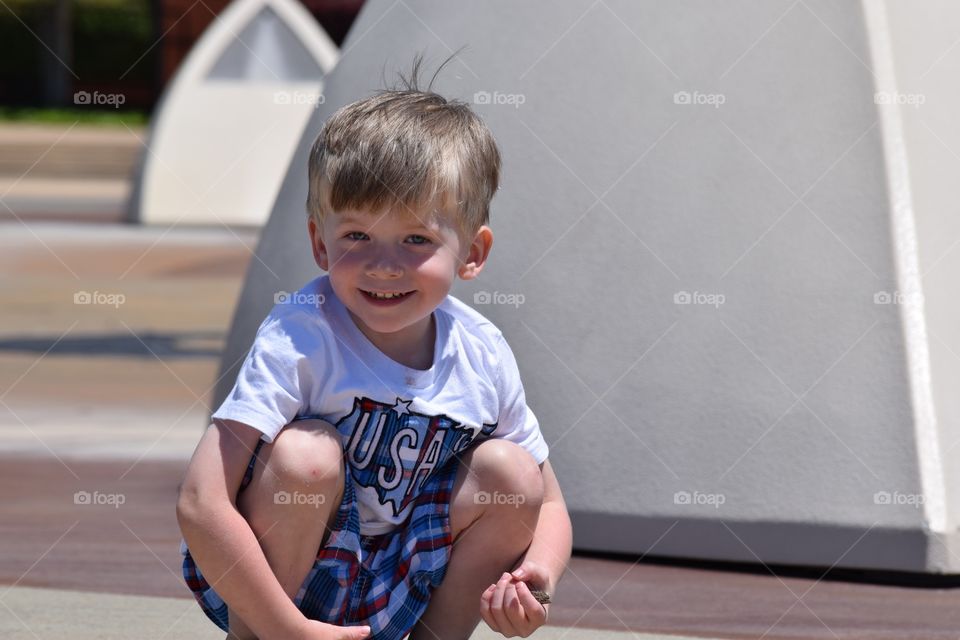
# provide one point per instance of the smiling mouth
(386, 295)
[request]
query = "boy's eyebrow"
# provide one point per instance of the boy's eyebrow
(349, 220)
(409, 223)
(346, 217)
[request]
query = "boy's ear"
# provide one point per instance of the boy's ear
(477, 254)
(316, 243)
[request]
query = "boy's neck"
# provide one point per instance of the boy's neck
(412, 347)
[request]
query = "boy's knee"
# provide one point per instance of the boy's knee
(306, 453)
(508, 473)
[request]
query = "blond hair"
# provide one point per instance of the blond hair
(405, 149)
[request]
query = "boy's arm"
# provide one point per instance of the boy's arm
(552, 542)
(518, 612)
(220, 539)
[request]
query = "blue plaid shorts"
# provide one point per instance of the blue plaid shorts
(382, 581)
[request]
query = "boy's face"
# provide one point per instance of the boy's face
(392, 269)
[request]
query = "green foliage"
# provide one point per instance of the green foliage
(113, 44)
(111, 37)
(69, 116)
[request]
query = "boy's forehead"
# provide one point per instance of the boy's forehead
(425, 216)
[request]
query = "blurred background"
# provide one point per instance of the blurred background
(59, 54)
(56, 48)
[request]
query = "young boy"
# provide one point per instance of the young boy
(375, 470)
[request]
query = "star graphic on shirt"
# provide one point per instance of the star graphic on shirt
(402, 407)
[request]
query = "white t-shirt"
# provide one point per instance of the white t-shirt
(310, 359)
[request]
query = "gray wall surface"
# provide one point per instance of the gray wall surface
(700, 210)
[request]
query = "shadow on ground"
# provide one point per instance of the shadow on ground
(186, 344)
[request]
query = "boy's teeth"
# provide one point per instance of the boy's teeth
(384, 295)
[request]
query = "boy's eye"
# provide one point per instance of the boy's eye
(356, 235)
(416, 239)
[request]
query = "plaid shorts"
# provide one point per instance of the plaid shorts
(382, 581)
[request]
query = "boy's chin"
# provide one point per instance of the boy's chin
(384, 325)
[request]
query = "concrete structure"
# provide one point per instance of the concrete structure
(230, 120)
(723, 250)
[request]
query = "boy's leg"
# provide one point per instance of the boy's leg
(488, 539)
(298, 480)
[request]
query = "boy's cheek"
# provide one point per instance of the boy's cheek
(342, 261)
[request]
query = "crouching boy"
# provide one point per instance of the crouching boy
(375, 470)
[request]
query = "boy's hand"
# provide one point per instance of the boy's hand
(314, 630)
(509, 608)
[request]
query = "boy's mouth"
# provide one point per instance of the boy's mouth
(386, 295)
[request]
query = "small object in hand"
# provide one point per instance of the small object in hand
(542, 596)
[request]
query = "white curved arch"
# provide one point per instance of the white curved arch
(231, 118)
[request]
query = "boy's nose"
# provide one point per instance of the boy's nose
(384, 267)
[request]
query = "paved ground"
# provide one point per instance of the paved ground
(105, 323)
(88, 616)
(109, 346)
(67, 172)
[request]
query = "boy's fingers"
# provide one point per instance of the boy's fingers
(485, 608)
(512, 605)
(513, 610)
(496, 603)
(536, 612)
(488, 617)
